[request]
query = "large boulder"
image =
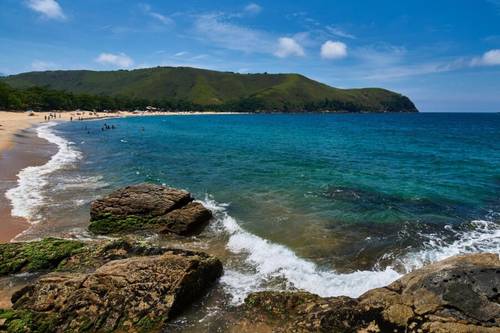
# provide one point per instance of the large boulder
(459, 294)
(127, 295)
(148, 207)
(274, 311)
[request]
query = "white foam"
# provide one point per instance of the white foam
(269, 261)
(483, 236)
(28, 196)
(276, 262)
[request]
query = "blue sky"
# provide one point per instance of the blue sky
(443, 54)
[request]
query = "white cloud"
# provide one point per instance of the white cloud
(380, 54)
(160, 17)
(288, 47)
(180, 54)
(39, 65)
(48, 8)
(339, 32)
(403, 71)
(217, 30)
(333, 50)
(118, 60)
(253, 8)
(490, 58)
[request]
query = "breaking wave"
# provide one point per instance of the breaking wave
(28, 196)
(274, 266)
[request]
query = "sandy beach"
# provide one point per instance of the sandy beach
(13, 122)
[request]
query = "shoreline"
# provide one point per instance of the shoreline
(25, 149)
(20, 147)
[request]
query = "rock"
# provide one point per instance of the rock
(96, 254)
(36, 256)
(298, 312)
(185, 220)
(147, 207)
(127, 295)
(460, 290)
(459, 294)
(20, 321)
(52, 254)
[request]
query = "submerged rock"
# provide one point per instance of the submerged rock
(459, 294)
(147, 207)
(127, 295)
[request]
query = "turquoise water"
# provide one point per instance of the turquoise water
(320, 193)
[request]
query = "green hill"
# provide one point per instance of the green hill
(219, 90)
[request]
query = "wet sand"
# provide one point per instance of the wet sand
(24, 149)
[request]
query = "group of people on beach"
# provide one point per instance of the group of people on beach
(51, 116)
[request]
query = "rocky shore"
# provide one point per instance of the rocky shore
(129, 285)
(459, 294)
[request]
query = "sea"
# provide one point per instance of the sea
(333, 204)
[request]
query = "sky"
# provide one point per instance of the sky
(443, 54)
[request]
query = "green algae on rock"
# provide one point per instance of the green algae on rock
(35, 256)
(53, 254)
(25, 321)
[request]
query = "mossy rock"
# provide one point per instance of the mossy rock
(52, 254)
(36, 256)
(25, 321)
(110, 224)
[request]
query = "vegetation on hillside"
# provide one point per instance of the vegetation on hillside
(189, 89)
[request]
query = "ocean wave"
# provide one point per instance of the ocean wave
(481, 236)
(28, 196)
(276, 262)
(270, 262)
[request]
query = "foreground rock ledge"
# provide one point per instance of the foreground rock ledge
(459, 295)
(148, 207)
(137, 294)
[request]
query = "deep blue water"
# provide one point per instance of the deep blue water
(345, 191)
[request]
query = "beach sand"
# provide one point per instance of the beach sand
(20, 147)
(13, 122)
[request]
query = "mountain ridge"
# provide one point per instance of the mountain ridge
(201, 87)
